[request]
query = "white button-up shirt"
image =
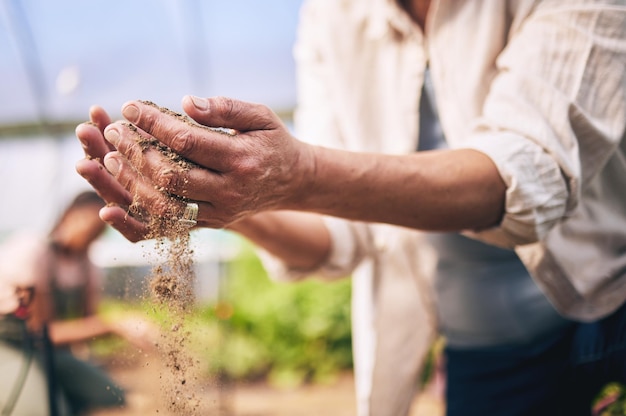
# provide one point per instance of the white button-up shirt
(538, 86)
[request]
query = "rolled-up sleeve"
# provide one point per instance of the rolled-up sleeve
(554, 114)
(536, 193)
(349, 242)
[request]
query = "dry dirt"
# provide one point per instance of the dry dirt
(166, 381)
(171, 287)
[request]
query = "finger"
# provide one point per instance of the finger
(170, 173)
(160, 171)
(161, 206)
(162, 167)
(119, 218)
(155, 204)
(129, 141)
(209, 217)
(105, 185)
(93, 142)
(99, 117)
(229, 113)
(209, 147)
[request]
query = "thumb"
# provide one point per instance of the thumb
(230, 113)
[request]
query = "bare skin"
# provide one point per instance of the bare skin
(263, 169)
(270, 187)
(417, 9)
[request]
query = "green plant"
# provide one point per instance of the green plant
(615, 393)
(289, 332)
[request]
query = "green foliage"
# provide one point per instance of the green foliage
(290, 332)
(616, 395)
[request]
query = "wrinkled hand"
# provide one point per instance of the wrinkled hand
(257, 167)
(91, 136)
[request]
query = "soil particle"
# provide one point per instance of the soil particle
(172, 279)
(190, 121)
(171, 283)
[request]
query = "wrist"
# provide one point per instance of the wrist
(304, 174)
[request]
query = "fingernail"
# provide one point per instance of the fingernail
(131, 112)
(112, 136)
(112, 164)
(200, 103)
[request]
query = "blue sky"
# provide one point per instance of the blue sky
(111, 51)
(150, 49)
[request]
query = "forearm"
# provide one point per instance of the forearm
(300, 239)
(78, 330)
(262, 169)
(448, 190)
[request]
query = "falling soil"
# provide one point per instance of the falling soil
(171, 282)
(172, 288)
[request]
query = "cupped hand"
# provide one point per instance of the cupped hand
(91, 136)
(251, 163)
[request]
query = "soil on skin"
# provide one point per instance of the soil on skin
(171, 285)
(169, 381)
(172, 277)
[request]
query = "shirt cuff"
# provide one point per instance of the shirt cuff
(536, 195)
(340, 262)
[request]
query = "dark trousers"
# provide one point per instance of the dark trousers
(84, 385)
(557, 375)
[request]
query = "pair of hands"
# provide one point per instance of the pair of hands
(257, 167)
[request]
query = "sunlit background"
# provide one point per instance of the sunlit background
(59, 57)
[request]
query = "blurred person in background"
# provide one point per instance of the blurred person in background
(63, 314)
(23, 382)
(489, 134)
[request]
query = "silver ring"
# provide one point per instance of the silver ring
(190, 215)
